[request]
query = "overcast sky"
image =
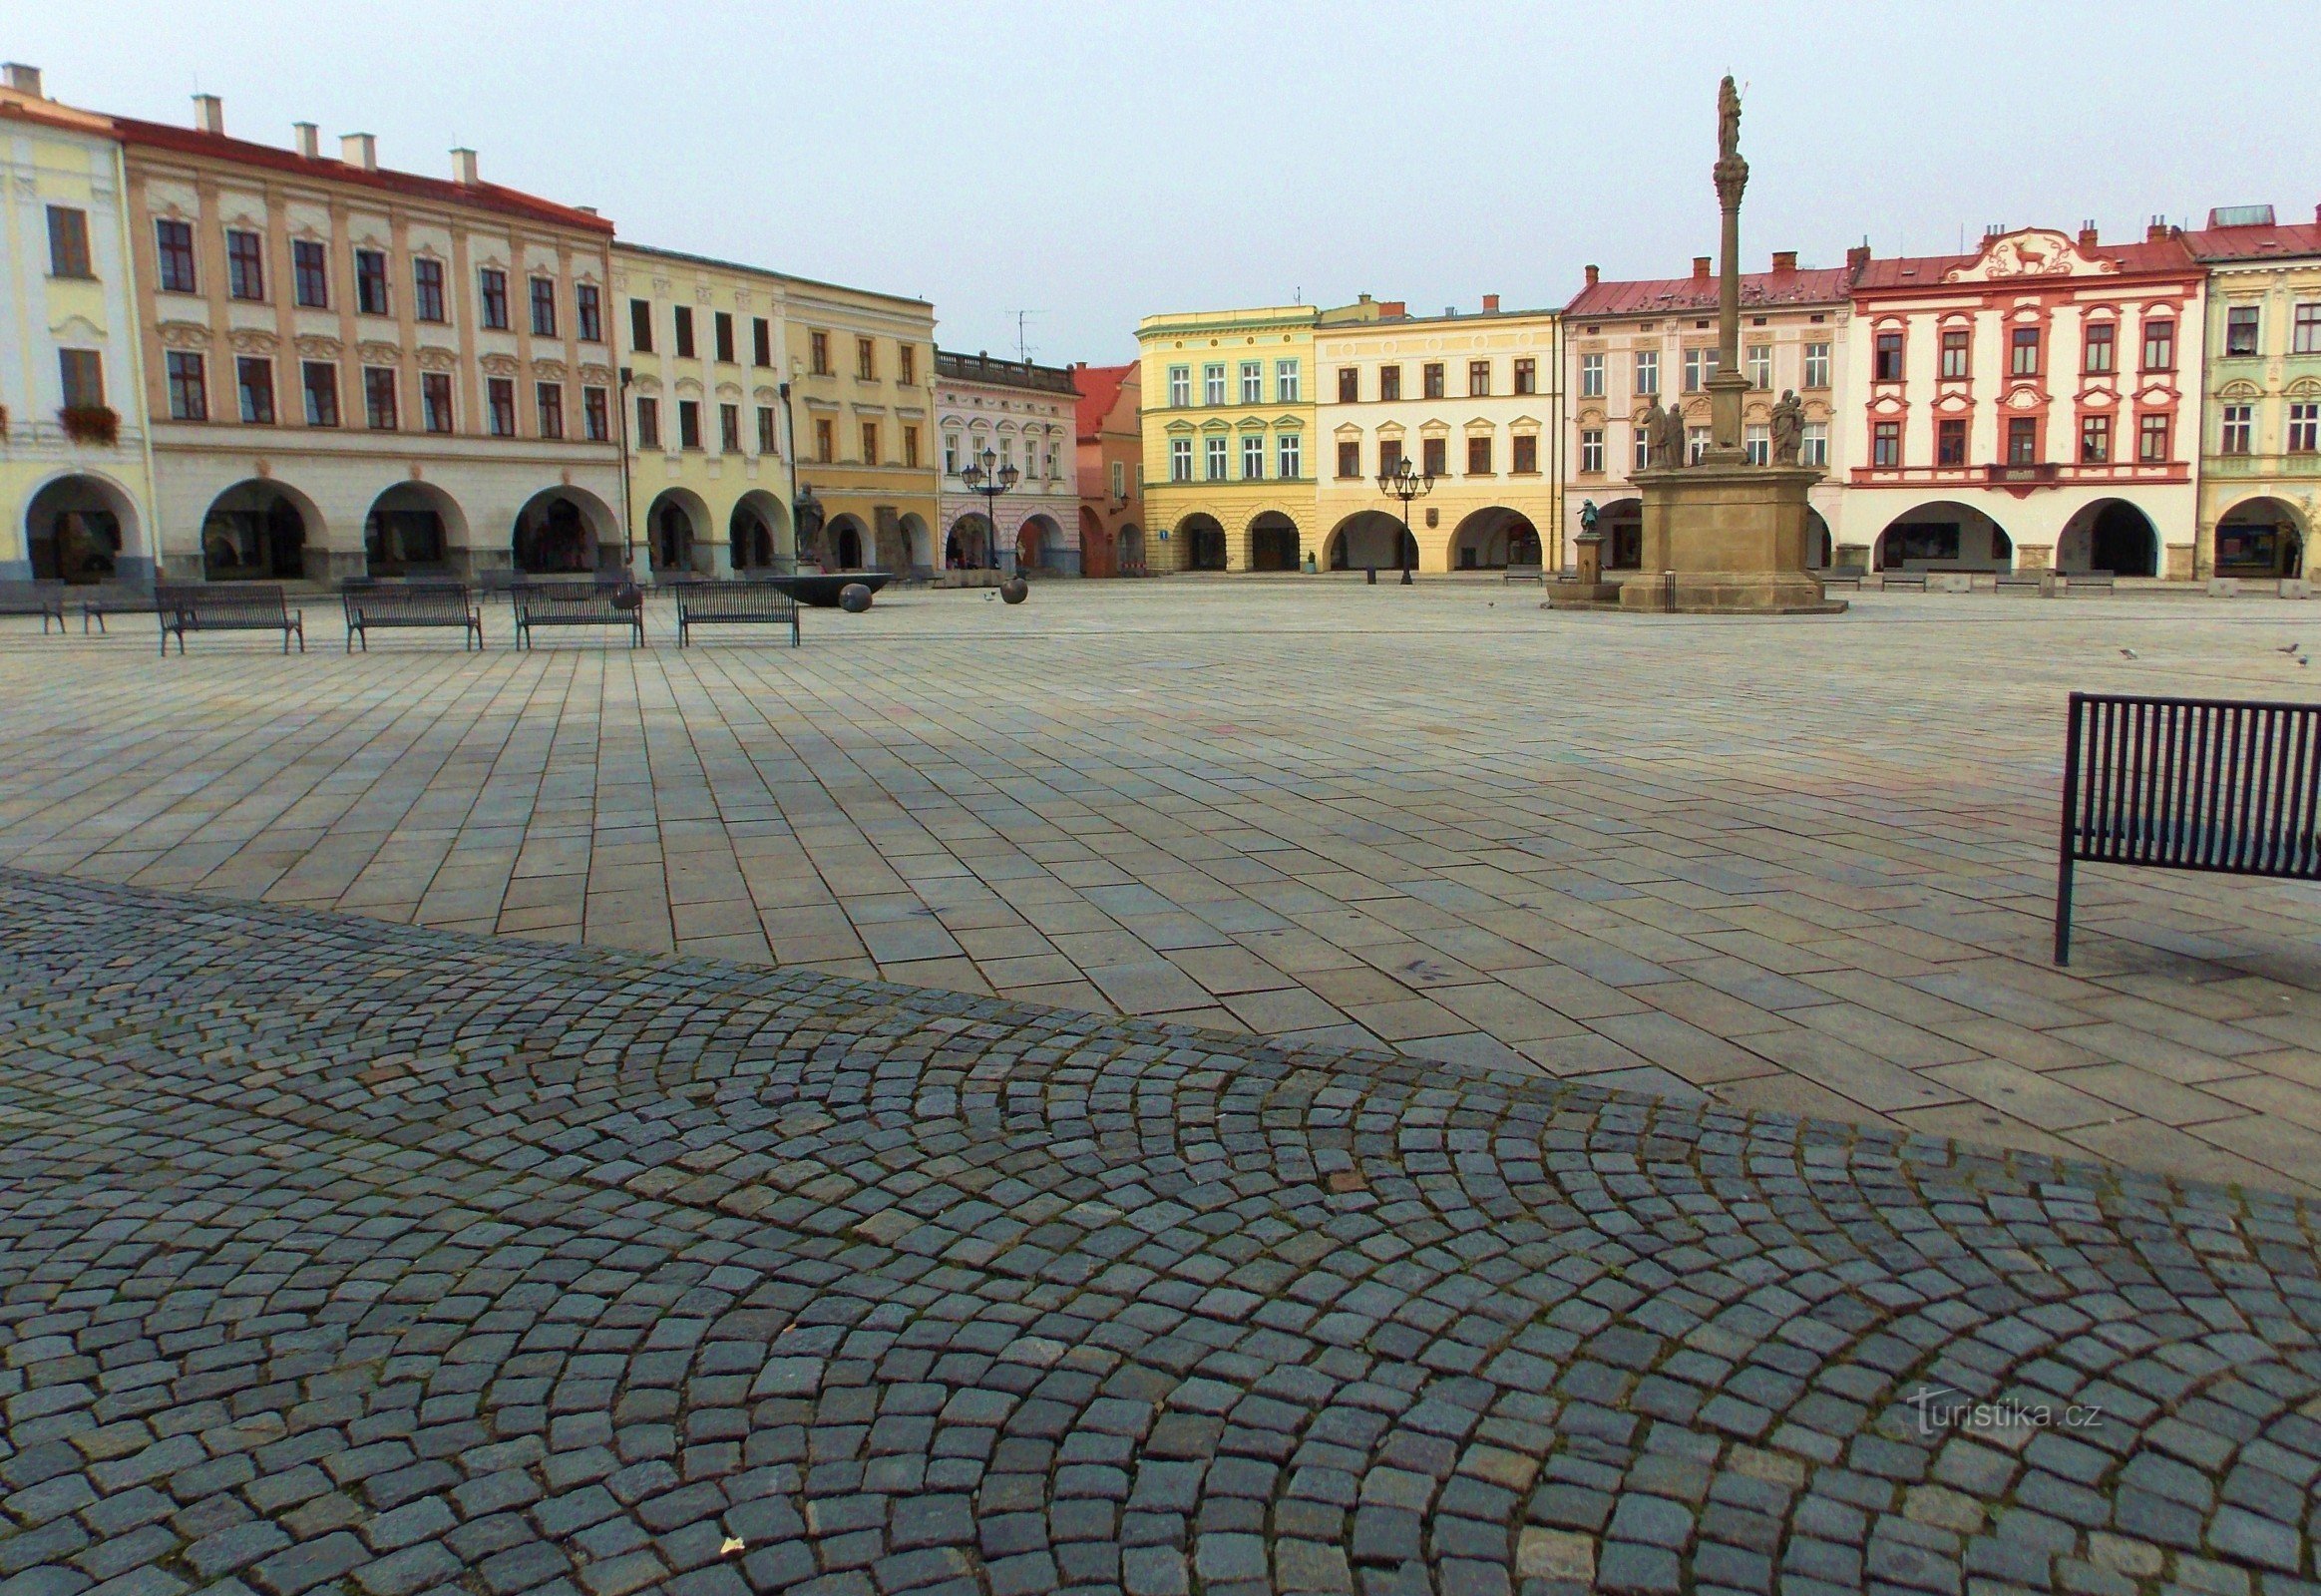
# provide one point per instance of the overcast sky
(1093, 163)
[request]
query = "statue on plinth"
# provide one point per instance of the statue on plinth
(1672, 437)
(1654, 425)
(1788, 428)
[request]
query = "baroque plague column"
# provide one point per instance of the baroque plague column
(1728, 532)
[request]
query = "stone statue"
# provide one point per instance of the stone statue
(1788, 428)
(810, 518)
(1727, 119)
(1588, 514)
(1655, 444)
(1672, 434)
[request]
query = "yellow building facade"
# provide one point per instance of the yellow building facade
(1472, 401)
(76, 479)
(1229, 437)
(862, 405)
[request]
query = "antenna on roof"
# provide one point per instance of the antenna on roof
(1022, 347)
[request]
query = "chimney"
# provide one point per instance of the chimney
(1699, 269)
(359, 150)
(1365, 299)
(1784, 259)
(586, 210)
(462, 166)
(209, 112)
(1394, 307)
(1856, 258)
(23, 78)
(2087, 237)
(1490, 304)
(1595, 277)
(2157, 231)
(309, 140)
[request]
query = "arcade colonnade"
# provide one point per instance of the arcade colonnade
(1281, 536)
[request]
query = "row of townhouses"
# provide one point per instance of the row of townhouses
(231, 359)
(2149, 407)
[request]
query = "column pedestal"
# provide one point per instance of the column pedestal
(1727, 539)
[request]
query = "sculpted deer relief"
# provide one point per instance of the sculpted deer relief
(2034, 253)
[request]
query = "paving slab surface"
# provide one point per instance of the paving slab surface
(1804, 865)
(341, 1256)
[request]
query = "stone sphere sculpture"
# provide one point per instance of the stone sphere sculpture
(854, 599)
(1014, 589)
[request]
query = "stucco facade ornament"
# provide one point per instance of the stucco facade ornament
(435, 358)
(548, 370)
(184, 334)
(250, 341)
(595, 373)
(380, 354)
(498, 365)
(314, 347)
(2032, 253)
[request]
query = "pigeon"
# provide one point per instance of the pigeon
(2304, 659)
(2131, 654)
(2289, 648)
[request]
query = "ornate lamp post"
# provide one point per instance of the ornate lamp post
(990, 479)
(1405, 482)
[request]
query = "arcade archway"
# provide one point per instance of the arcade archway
(1367, 540)
(258, 531)
(759, 531)
(2260, 537)
(1494, 539)
(2110, 534)
(564, 530)
(1944, 536)
(1273, 543)
(80, 528)
(411, 530)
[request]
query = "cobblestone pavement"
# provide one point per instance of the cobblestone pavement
(1805, 866)
(339, 1256)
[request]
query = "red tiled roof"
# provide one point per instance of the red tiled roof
(1099, 388)
(439, 191)
(2264, 242)
(2142, 257)
(1821, 285)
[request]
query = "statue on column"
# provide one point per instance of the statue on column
(1672, 435)
(1727, 119)
(1654, 429)
(1788, 428)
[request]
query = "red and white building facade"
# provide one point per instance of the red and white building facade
(2033, 404)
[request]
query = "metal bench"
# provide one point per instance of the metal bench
(113, 598)
(226, 606)
(1903, 581)
(418, 603)
(576, 604)
(2216, 784)
(1843, 576)
(2091, 580)
(1524, 573)
(2017, 581)
(43, 599)
(735, 604)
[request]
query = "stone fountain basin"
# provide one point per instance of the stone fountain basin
(821, 590)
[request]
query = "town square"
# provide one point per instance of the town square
(704, 888)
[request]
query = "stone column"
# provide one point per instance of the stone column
(1730, 387)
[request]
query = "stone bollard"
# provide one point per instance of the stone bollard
(1374, 576)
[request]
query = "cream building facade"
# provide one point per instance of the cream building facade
(1022, 416)
(862, 403)
(1634, 343)
(353, 371)
(1471, 401)
(2260, 450)
(76, 490)
(703, 344)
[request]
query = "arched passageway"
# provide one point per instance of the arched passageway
(564, 531)
(1819, 550)
(2110, 534)
(82, 529)
(968, 545)
(411, 530)
(844, 537)
(1367, 540)
(1036, 544)
(1131, 549)
(1621, 523)
(918, 543)
(1273, 543)
(758, 531)
(1494, 539)
(2260, 537)
(258, 531)
(1944, 536)
(1204, 540)
(673, 527)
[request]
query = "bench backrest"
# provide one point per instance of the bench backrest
(444, 602)
(2194, 784)
(735, 601)
(553, 600)
(243, 603)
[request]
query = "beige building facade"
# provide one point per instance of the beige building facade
(1020, 414)
(1472, 401)
(862, 406)
(353, 371)
(703, 344)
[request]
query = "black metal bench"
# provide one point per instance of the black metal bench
(1523, 573)
(2013, 580)
(576, 604)
(1842, 576)
(113, 598)
(2091, 580)
(735, 604)
(226, 606)
(43, 599)
(418, 603)
(2215, 784)
(1903, 581)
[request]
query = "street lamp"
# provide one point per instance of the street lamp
(990, 479)
(1405, 482)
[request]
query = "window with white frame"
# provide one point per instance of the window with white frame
(951, 453)
(1761, 366)
(1813, 444)
(1696, 444)
(1253, 382)
(1289, 457)
(1180, 460)
(1180, 387)
(1119, 478)
(1253, 457)
(1756, 442)
(1286, 382)
(2239, 424)
(1591, 376)
(1216, 458)
(2304, 429)
(1591, 450)
(2305, 330)
(1643, 450)
(1816, 366)
(1213, 384)
(1647, 372)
